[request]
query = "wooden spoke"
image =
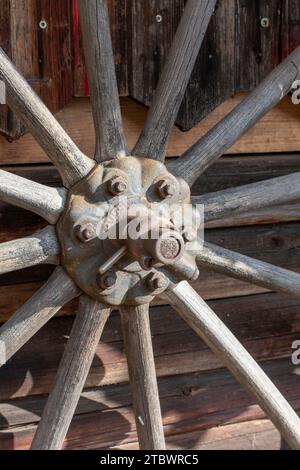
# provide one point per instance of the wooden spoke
(35, 313)
(69, 160)
(221, 137)
(267, 215)
(71, 376)
(99, 58)
(192, 308)
(40, 248)
(43, 200)
(142, 374)
(249, 269)
(230, 202)
(174, 79)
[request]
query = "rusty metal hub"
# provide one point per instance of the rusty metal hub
(123, 233)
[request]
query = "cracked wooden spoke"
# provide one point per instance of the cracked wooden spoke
(72, 164)
(142, 374)
(72, 373)
(40, 248)
(174, 79)
(35, 197)
(35, 313)
(249, 269)
(221, 137)
(110, 140)
(192, 308)
(230, 202)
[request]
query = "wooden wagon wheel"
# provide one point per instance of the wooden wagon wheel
(130, 273)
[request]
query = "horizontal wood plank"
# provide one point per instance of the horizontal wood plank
(269, 135)
(192, 404)
(266, 324)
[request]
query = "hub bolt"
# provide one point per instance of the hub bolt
(107, 280)
(157, 281)
(190, 235)
(117, 185)
(85, 233)
(166, 188)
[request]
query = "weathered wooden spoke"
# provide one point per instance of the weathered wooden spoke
(72, 373)
(141, 366)
(192, 308)
(36, 312)
(69, 160)
(40, 248)
(110, 141)
(124, 272)
(255, 196)
(249, 269)
(221, 137)
(174, 79)
(43, 200)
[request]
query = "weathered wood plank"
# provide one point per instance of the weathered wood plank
(35, 313)
(199, 316)
(220, 138)
(266, 324)
(192, 404)
(257, 47)
(269, 135)
(99, 58)
(47, 202)
(69, 160)
(72, 373)
(251, 197)
(173, 81)
(142, 376)
(41, 248)
(212, 81)
(46, 59)
(119, 14)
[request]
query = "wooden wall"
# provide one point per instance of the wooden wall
(203, 407)
(237, 53)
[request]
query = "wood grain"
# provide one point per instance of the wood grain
(142, 374)
(252, 197)
(267, 324)
(226, 132)
(72, 164)
(174, 79)
(110, 141)
(44, 201)
(59, 290)
(72, 373)
(45, 61)
(249, 269)
(268, 135)
(219, 338)
(41, 248)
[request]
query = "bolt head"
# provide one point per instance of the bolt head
(117, 185)
(85, 233)
(190, 235)
(107, 280)
(157, 281)
(166, 188)
(265, 22)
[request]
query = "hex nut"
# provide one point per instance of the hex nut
(157, 281)
(117, 185)
(107, 280)
(166, 188)
(85, 233)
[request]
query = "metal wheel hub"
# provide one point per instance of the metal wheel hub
(123, 233)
